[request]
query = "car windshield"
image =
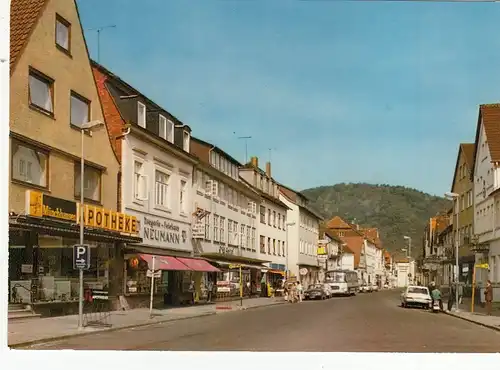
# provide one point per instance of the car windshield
(418, 290)
(315, 286)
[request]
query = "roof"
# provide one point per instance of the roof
(217, 148)
(332, 235)
(24, 15)
(467, 150)
(373, 234)
(355, 244)
(338, 223)
(489, 116)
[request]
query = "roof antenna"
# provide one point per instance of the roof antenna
(99, 29)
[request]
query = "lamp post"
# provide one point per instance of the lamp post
(87, 126)
(455, 197)
(409, 254)
(286, 237)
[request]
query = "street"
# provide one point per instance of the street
(365, 323)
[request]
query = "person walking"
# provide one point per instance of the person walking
(488, 297)
(192, 291)
(210, 288)
(451, 297)
(299, 291)
(460, 293)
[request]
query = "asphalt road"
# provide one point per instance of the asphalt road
(365, 323)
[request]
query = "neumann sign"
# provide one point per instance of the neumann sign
(158, 231)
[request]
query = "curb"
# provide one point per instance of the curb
(84, 334)
(239, 308)
(473, 321)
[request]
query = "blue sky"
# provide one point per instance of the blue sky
(374, 92)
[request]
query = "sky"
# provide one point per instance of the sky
(330, 91)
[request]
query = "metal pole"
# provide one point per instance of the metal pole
(98, 45)
(241, 289)
(152, 288)
(286, 257)
(82, 183)
(456, 259)
(473, 288)
(246, 150)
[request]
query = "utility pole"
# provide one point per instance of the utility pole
(99, 29)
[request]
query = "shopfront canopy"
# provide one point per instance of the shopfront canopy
(196, 264)
(167, 263)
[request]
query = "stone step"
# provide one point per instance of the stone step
(16, 306)
(23, 315)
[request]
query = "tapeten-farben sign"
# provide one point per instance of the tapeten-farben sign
(162, 231)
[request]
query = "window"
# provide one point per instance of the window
(230, 232)
(207, 227)
(283, 220)
(274, 246)
(263, 214)
(141, 114)
(252, 240)
(162, 126)
(29, 164)
(91, 183)
(185, 141)
(161, 189)
(248, 235)
(279, 220)
(268, 245)
(140, 182)
(216, 228)
(170, 131)
(243, 239)
(80, 110)
(341, 233)
(63, 31)
(269, 217)
(283, 244)
(274, 218)
(262, 244)
(235, 234)
(212, 158)
(41, 92)
(222, 235)
(183, 199)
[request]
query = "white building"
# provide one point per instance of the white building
(340, 257)
(225, 214)
(370, 260)
(271, 228)
(401, 271)
(486, 194)
(303, 235)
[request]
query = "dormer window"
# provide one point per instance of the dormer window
(185, 141)
(162, 127)
(170, 131)
(141, 114)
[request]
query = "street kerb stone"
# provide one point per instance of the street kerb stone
(20, 345)
(471, 320)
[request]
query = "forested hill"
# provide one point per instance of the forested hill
(395, 210)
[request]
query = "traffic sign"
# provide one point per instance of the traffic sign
(81, 256)
(157, 273)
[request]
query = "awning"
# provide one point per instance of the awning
(164, 263)
(196, 264)
(277, 272)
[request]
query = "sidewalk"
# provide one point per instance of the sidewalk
(492, 322)
(28, 332)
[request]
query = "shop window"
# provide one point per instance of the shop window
(29, 164)
(137, 281)
(91, 183)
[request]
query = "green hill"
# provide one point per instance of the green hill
(395, 210)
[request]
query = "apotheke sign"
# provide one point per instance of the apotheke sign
(162, 232)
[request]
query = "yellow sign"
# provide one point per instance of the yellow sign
(322, 251)
(483, 266)
(234, 266)
(43, 205)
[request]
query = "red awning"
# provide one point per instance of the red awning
(164, 263)
(198, 264)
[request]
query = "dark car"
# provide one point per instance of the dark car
(315, 291)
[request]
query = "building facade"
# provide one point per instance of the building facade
(271, 225)
(225, 220)
(303, 234)
(52, 93)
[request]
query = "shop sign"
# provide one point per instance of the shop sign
(46, 206)
(26, 269)
(322, 250)
(303, 271)
(226, 250)
(159, 232)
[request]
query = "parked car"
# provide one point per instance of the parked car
(418, 296)
(317, 291)
(374, 288)
(365, 288)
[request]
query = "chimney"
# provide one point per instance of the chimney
(255, 162)
(268, 169)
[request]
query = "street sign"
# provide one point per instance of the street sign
(157, 273)
(322, 258)
(81, 256)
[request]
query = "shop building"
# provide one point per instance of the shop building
(225, 220)
(153, 147)
(271, 228)
(52, 93)
(302, 227)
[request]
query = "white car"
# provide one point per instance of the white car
(374, 288)
(418, 296)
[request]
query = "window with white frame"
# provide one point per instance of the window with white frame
(243, 238)
(207, 226)
(140, 181)
(235, 233)
(216, 228)
(252, 240)
(141, 114)
(222, 231)
(170, 131)
(183, 197)
(185, 141)
(262, 244)
(262, 214)
(230, 232)
(162, 126)
(248, 236)
(212, 158)
(161, 189)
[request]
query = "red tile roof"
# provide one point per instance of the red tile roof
(489, 116)
(24, 15)
(338, 223)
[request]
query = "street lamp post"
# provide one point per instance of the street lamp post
(455, 197)
(88, 126)
(409, 254)
(288, 224)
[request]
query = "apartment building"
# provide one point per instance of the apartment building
(52, 95)
(271, 228)
(303, 235)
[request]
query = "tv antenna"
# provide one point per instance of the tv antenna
(246, 138)
(98, 30)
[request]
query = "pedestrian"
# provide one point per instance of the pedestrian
(191, 290)
(299, 291)
(293, 293)
(210, 288)
(460, 293)
(488, 297)
(451, 297)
